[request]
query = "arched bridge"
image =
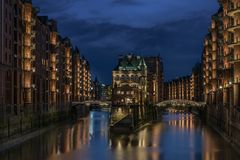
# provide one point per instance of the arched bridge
(180, 102)
(183, 106)
(94, 103)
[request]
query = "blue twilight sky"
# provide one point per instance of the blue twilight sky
(104, 29)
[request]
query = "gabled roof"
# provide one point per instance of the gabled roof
(131, 62)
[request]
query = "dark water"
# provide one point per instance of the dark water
(176, 137)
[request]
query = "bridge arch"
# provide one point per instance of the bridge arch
(180, 102)
(93, 102)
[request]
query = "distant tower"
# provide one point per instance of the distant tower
(155, 79)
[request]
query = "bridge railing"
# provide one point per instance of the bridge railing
(89, 103)
(183, 103)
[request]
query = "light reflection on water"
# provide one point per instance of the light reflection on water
(177, 136)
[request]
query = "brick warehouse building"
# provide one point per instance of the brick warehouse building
(155, 79)
(36, 67)
(187, 87)
(221, 69)
(179, 88)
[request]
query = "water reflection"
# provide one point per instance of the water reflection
(178, 136)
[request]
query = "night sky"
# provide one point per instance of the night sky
(104, 29)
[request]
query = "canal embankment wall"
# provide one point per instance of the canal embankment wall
(221, 121)
(25, 127)
(135, 118)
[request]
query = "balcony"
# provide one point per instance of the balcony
(33, 22)
(53, 48)
(27, 53)
(27, 66)
(53, 76)
(234, 10)
(33, 46)
(233, 27)
(230, 57)
(234, 59)
(33, 34)
(233, 43)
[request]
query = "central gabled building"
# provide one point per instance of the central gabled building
(129, 81)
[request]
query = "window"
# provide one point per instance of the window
(10, 58)
(8, 109)
(6, 57)
(15, 36)
(6, 43)
(9, 45)
(132, 78)
(6, 28)
(15, 62)
(10, 30)
(117, 78)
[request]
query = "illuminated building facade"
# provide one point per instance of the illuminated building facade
(155, 79)
(231, 51)
(81, 78)
(221, 66)
(186, 88)
(96, 89)
(40, 66)
(197, 83)
(53, 65)
(36, 66)
(29, 14)
(100, 91)
(76, 76)
(6, 58)
(213, 62)
(18, 20)
(178, 89)
(64, 74)
(85, 80)
(106, 92)
(129, 81)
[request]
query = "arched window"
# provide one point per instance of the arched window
(122, 78)
(136, 78)
(127, 78)
(117, 78)
(132, 77)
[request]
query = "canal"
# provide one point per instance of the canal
(177, 136)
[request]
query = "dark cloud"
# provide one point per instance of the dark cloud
(52, 6)
(126, 2)
(177, 42)
(103, 32)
